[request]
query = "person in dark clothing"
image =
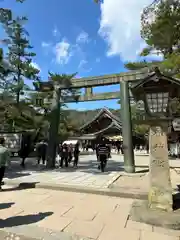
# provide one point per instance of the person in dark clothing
(64, 156)
(103, 151)
(97, 151)
(70, 153)
(147, 148)
(76, 154)
(118, 147)
(41, 149)
(122, 148)
(59, 152)
(25, 148)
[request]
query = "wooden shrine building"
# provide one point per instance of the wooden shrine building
(104, 123)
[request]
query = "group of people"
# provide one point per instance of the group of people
(65, 153)
(68, 153)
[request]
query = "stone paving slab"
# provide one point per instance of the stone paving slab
(62, 215)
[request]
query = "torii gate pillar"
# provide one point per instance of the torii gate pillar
(129, 165)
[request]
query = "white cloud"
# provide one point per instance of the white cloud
(47, 47)
(82, 63)
(35, 65)
(56, 32)
(63, 52)
(152, 56)
(83, 66)
(83, 37)
(120, 26)
(45, 44)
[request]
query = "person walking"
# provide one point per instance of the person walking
(76, 154)
(118, 147)
(59, 154)
(70, 152)
(103, 153)
(4, 159)
(64, 156)
(41, 150)
(25, 148)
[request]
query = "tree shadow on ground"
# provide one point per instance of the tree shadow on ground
(23, 220)
(21, 186)
(91, 167)
(6, 205)
(86, 166)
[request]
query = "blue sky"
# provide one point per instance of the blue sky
(80, 36)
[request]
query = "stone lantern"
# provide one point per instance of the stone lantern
(157, 92)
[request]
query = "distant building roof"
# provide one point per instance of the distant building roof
(103, 112)
(113, 126)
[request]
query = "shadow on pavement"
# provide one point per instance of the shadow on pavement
(11, 174)
(6, 205)
(143, 170)
(21, 186)
(88, 166)
(176, 199)
(91, 166)
(23, 220)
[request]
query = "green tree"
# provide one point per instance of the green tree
(14, 72)
(136, 112)
(43, 101)
(4, 72)
(19, 57)
(161, 27)
(161, 31)
(6, 14)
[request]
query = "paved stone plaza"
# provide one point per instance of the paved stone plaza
(88, 176)
(31, 214)
(57, 215)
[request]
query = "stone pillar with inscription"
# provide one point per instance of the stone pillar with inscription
(160, 193)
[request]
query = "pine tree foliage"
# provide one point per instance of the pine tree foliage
(20, 57)
(161, 31)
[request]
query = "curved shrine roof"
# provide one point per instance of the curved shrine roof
(114, 125)
(106, 113)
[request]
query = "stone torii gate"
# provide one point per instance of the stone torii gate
(88, 83)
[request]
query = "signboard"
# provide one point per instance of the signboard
(12, 141)
(176, 124)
